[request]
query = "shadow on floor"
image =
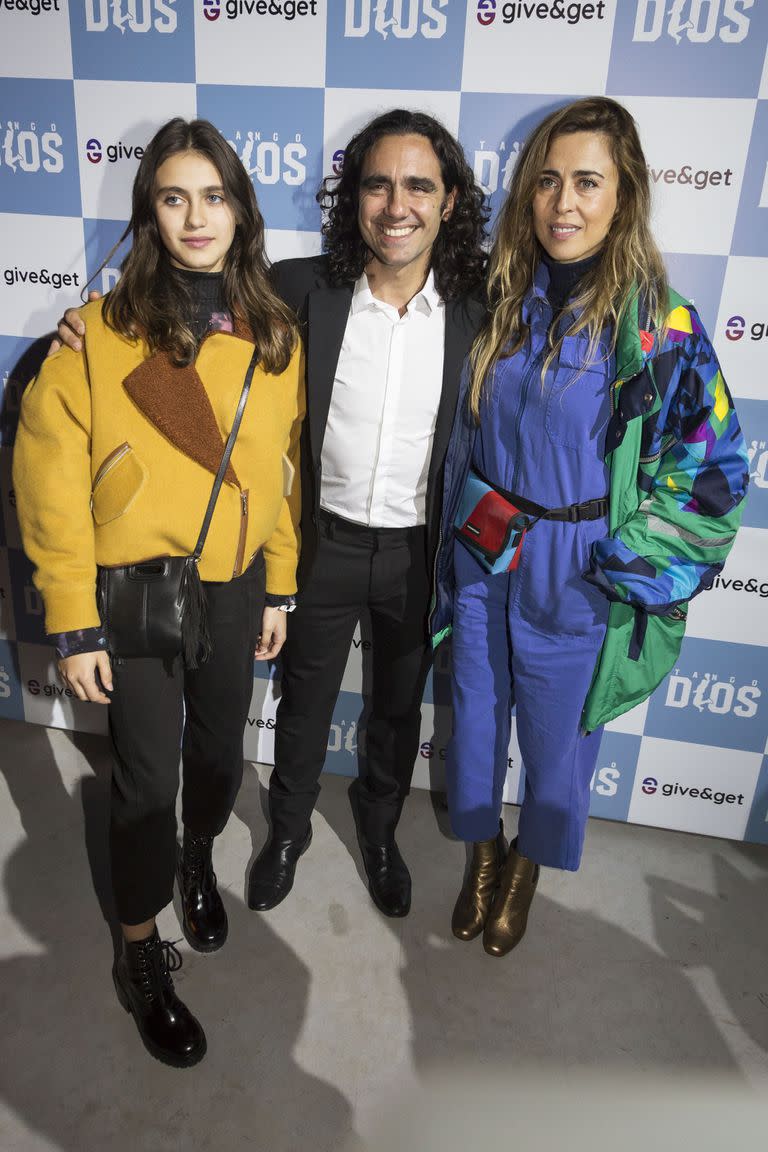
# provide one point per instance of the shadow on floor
(579, 992)
(74, 1070)
(724, 932)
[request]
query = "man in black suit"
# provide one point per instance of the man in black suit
(388, 316)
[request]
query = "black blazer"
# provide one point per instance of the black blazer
(323, 310)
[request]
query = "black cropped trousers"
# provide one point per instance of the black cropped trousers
(160, 713)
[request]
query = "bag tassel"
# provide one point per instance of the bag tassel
(194, 629)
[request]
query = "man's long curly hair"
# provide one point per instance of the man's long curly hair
(458, 258)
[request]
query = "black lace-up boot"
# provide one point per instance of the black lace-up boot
(204, 919)
(144, 987)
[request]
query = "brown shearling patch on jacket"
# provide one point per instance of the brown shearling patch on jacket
(176, 402)
(242, 329)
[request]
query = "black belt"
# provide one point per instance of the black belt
(571, 513)
(593, 509)
(334, 526)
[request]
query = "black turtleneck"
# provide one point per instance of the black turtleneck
(206, 291)
(564, 278)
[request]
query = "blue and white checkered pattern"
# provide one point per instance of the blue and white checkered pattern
(85, 83)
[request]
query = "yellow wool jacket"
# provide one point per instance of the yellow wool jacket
(115, 459)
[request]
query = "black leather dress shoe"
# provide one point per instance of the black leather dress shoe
(144, 987)
(273, 870)
(389, 881)
(204, 918)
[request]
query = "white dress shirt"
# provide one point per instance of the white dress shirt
(381, 421)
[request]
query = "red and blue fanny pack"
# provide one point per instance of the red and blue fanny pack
(489, 525)
(492, 523)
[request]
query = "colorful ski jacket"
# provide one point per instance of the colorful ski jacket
(678, 476)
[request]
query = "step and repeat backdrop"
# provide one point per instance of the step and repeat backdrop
(83, 86)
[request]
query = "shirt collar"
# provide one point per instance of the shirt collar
(425, 301)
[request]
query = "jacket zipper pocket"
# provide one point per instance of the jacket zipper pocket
(114, 457)
(243, 533)
(667, 444)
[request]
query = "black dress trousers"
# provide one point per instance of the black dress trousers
(159, 712)
(355, 568)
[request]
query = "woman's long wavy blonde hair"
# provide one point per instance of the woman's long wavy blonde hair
(630, 262)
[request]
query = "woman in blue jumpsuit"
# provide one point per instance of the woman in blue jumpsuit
(573, 248)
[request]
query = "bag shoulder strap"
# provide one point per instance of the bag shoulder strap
(225, 458)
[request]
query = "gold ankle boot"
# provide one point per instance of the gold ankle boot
(507, 919)
(477, 891)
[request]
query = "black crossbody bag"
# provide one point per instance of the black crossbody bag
(157, 607)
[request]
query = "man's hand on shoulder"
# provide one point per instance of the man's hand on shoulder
(71, 328)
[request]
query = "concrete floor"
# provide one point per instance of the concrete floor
(326, 1022)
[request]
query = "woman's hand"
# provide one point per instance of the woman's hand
(71, 328)
(274, 628)
(79, 674)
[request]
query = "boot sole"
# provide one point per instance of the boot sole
(204, 949)
(267, 906)
(464, 936)
(158, 1053)
(501, 953)
(392, 913)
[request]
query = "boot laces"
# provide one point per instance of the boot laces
(196, 865)
(155, 965)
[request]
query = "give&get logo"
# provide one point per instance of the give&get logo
(736, 328)
(95, 153)
(33, 7)
(522, 10)
(650, 786)
(699, 179)
(232, 9)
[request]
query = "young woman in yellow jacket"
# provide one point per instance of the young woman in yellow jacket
(118, 446)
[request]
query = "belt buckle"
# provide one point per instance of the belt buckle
(593, 508)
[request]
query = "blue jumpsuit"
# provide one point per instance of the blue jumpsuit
(530, 638)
